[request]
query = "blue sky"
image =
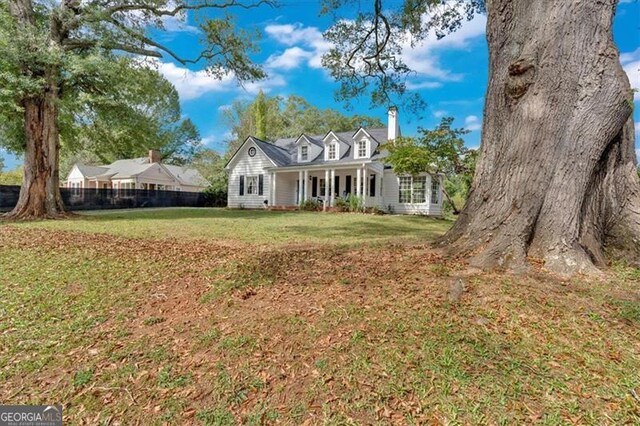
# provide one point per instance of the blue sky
(451, 73)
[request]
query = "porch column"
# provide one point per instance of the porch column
(332, 196)
(306, 185)
(273, 189)
(300, 187)
(326, 190)
(365, 181)
(358, 177)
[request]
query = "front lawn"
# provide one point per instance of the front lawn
(187, 316)
(261, 227)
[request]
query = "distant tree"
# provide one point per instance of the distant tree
(437, 151)
(57, 51)
(1, 163)
(138, 111)
(260, 112)
(12, 177)
(211, 165)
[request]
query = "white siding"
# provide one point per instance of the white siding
(286, 189)
(76, 176)
(391, 197)
(155, 174)
(244, 165)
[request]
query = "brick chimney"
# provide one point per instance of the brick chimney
(154, 156)
(393, 125)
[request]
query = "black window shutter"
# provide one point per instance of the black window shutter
(347, 188)
(260, 184)
(314, 186)
(241, 185)
(336, 187)
(372, 186)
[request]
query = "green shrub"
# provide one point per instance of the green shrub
(311, 205)
(342, 204)
(356, 204)
(215, 197)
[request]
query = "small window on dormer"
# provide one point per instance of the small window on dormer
(332, 151)
(362, 148)
(304, 153)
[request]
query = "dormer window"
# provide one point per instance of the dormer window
(332, 151)
(304, 153)
(362, 148)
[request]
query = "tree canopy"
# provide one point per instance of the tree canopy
(63, 73)
(366, 54)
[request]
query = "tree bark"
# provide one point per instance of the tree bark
(556, 178)
(40, 191)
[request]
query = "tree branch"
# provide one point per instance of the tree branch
(173, 12)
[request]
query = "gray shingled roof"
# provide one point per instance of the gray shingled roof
(279, 155)
(187, 176)
(122, 169)
(287, 151)
(91, 170)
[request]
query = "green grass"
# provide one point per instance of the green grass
(259, 227)
(182, 331)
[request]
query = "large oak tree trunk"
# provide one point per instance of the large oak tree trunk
(556, 178)
(40, 192)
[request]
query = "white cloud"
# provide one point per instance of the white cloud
(439, 113)
(424, 57)
(472, 123)
(175, 24)
(266, 85)
(194, 84)
(217, 140)
(306, 45)
(631, 64)
(412, 85)
(291, 58)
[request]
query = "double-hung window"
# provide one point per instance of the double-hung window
(252, 185)
(304, 153)
(332, 151)
(412, 189)
(362, 149)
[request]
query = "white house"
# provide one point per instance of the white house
(138, 173)
(290, 171)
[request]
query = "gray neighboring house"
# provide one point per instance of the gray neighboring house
(138, 173)
(289, 171)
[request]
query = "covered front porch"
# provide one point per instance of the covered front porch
(289, 188)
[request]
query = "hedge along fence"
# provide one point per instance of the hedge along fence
(98, 199)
